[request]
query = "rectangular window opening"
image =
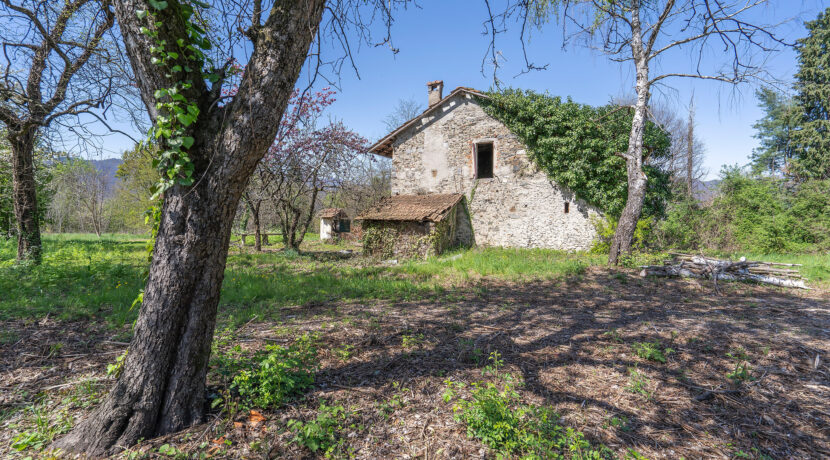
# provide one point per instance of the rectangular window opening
(344, 226)
(567, 207)
(484, 160)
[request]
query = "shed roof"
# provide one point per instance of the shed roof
(383, 147)
(331, 213)
(420, 208)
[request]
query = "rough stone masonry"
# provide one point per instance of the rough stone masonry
(454, 146)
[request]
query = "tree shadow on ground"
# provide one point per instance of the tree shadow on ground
(572, 344)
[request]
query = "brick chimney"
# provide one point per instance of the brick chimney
(436, 91)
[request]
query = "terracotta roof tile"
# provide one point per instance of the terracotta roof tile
(331, 213)
(431, 208)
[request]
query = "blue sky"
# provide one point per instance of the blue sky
(443, 40)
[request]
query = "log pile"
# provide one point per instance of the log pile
(692, 266)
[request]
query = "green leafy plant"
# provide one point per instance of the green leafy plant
(281, 373)
(496, 363)
(652, 351)
(44, 427)
(412, 340)
(496, 416)
(345, 352)
(320, 434)
(114, 370)
(741, 373)
(395, 401)
(576, 145)
(638, 383)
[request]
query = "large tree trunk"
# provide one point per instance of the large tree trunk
(162, 386)
(25, 196)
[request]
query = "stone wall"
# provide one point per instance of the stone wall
(518, 207)
(396, 239)
(409, 239)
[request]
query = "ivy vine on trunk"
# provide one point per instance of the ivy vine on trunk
(208, 155)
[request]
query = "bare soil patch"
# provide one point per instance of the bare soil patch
(572, 342)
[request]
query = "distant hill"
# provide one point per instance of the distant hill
(109, 167)
(706, 190)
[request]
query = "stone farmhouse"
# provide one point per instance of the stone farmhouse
(455, 147)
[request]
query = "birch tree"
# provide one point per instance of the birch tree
(719, 36)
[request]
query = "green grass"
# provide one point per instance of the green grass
(86, 277)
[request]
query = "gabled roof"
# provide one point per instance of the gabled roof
(383, 147)
(331, 213)
(419, 208)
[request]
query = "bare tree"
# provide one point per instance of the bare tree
(313, 161)
(256, 194)
(47, 48)
(80, 192)
(161, 388)
(404, 110)
(724, 44)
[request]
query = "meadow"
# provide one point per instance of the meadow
(473, 354)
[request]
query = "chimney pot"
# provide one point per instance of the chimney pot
(436, 91)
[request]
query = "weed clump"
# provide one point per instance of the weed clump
(281, 373)
(320, 434)
(652, 351)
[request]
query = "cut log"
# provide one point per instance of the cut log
(695, 266)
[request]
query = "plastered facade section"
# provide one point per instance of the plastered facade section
(519, 207)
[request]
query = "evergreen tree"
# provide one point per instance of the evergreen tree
(813, 100)
(775, 132)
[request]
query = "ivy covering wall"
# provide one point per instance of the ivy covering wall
(576, 145)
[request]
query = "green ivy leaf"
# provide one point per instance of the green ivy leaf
(187, 142)
(159, 5)
(160, 93)
(186, 119)
(141, 14)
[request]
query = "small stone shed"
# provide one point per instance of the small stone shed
(416, 226)
(333, 223)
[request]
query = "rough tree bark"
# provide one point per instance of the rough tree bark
(162, 385)
(48, 92)
(25, 195)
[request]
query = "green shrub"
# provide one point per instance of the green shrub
(321, 433)
(752, 214)
(281, 373)
(607, 226)
(498, 418)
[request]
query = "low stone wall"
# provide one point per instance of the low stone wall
(394, 239)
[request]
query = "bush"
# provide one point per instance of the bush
(321, 433)
(606, 227)
(752, 214)
(281, 373)
(504, 424)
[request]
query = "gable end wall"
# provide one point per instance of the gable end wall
(518, 207)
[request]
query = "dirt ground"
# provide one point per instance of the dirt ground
(571, 342)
